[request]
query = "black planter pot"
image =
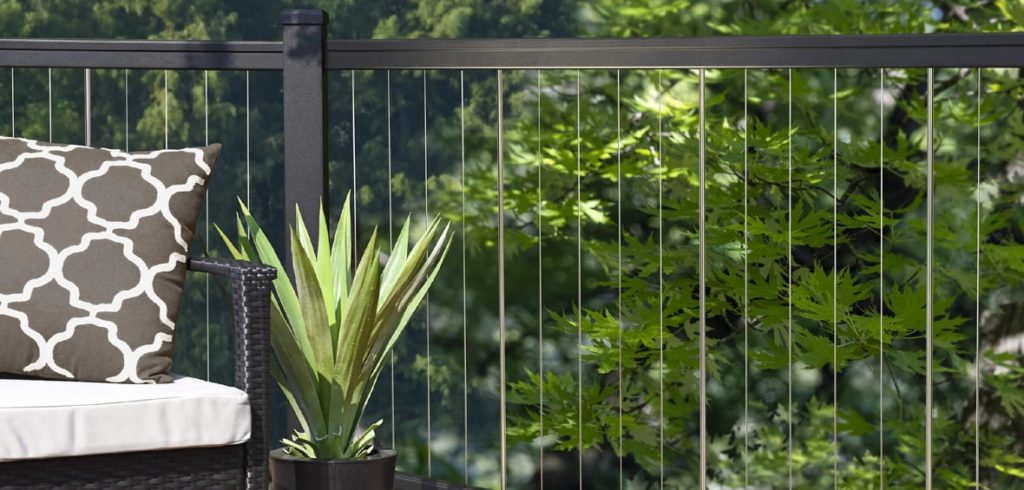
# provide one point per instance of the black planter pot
(376, 472)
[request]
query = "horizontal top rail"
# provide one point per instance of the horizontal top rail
(815, 51)
(821, 51)
(141, 54)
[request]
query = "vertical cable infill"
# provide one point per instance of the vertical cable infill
(426, 298)
(167, 118)
(746, 291)
(579, 282)
(501, 279)
(465, 345)
(618, 193)
(49, 102)
(702, 285)
(881, 279)
(355, 182)
(977, 296)
(835, 279)
(206, 212)
(789, 275)
(88, 107)
(659, 163)
(248, 173)
(391, 355)
(929, 301)
(126, 110)
(540, 283)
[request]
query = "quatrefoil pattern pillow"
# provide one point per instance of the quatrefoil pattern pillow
(93, 250)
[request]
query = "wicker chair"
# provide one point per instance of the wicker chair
(227, 467)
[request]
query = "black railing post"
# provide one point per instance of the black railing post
(303, 33)
(305, 115)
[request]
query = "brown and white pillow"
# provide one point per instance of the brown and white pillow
(93, 250)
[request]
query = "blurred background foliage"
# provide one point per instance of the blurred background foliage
(850, 354)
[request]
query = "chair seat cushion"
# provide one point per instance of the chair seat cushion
(46, 418)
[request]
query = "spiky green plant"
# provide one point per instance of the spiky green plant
(332, 329)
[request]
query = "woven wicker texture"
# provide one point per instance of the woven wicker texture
(219, 467)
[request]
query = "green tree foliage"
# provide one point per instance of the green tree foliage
(640, 336)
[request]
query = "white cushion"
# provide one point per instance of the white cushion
(46, 419)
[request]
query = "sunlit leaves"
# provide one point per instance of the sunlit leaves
(838, 323)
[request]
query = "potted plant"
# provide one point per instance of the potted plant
(330, 332)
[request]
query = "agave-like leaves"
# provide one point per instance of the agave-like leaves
(332, 328)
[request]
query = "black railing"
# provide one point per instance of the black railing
(305, 57)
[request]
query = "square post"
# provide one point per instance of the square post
(303, 32)
(305, 115)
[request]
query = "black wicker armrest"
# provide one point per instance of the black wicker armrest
(250, 291)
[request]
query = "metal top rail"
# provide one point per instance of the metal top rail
(818, 51)
(305, 27)
(141, 54)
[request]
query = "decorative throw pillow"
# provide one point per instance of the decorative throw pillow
(93, 249)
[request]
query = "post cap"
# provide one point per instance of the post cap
(303, 17)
